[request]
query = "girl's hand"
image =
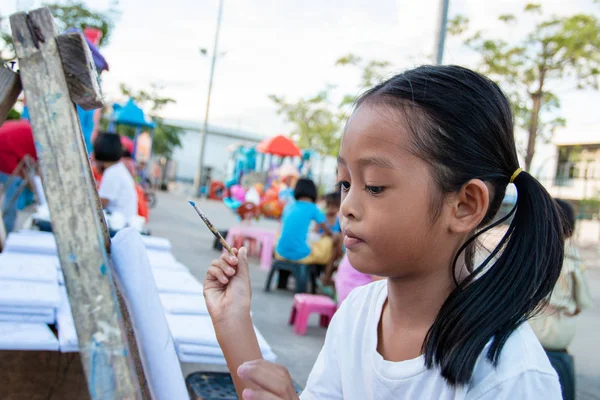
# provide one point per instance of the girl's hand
(272, 381)
(227, 287)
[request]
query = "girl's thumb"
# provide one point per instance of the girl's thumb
(243, 260)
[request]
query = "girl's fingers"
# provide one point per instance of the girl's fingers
(217, 274)
(230, 259)
(224, 266)
(249, 394)
(270, 377)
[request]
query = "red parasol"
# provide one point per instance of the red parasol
(280, 146)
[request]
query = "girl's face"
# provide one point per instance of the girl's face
(386, 199)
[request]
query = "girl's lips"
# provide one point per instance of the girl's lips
(351, 242)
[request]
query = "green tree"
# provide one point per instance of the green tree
(75, 14)
(372, 72)
(557, 49)
(316, 119)
(316, 123)
(166, 137)
(70, 14)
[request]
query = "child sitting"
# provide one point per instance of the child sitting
(117, 189)
(332, 204)
(296, 220)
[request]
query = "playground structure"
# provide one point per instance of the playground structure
(262, 176)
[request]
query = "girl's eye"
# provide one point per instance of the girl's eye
(344, 185)
(374, 189)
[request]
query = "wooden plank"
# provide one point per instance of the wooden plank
(72, 199)
(42, 375)
(10, 88)
(82, 80)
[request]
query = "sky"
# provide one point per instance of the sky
(289, 48)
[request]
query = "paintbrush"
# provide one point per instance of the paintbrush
(211, 227)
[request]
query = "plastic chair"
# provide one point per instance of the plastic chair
(301, 272)
(306, 304)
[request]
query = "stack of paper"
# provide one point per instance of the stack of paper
(26, 336)
(32, 242)
(196, 340)
(183, 304)
(67, 335)
(28, 288)
(173, 281)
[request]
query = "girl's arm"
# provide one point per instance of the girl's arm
(239, 344)
(227, 293)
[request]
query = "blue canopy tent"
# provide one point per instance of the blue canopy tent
(132, 115)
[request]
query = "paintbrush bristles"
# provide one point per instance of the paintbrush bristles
(211, 227)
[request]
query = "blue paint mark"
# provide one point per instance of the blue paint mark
(72, 257)
(103, 269)
(101, 382)
(51, 99)
(38, 147)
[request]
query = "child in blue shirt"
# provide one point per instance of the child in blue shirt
(296, 220)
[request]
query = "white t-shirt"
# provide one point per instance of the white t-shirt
(118, 187)
(349, 366)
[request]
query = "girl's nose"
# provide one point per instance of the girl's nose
(350, 207)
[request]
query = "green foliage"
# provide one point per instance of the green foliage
(556, 49)
(317, 120)
(70, 14)
(7, 50)
(166, 137)
(316, 124)
(74, 14)
(13, 114)
(373, 71)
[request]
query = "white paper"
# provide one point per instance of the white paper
(171, 281)
(156, 243)
(29, 294)
(67, 335)
(26, 336)
(20, 266)
(174, 303)
(27, 241)
(157, 350)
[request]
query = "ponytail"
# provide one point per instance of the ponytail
(492, 302)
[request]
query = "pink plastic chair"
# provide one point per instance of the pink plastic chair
(305, 304)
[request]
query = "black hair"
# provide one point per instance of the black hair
(461, 124)
(305, 188)
(107, 147)
(568, 217)
(333, 198)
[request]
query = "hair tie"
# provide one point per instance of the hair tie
(514, 176)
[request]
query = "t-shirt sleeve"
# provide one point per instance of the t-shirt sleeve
(318, 216)
(109, 186)
(529, 384)
(324, 381)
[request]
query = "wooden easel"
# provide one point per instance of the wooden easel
(56, 71)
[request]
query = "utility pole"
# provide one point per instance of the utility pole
(441, 33)
(198, 178)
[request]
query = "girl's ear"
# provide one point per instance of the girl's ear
(469, 206)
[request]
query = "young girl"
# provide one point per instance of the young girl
(424, 164)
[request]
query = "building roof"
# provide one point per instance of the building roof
(577, 135)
